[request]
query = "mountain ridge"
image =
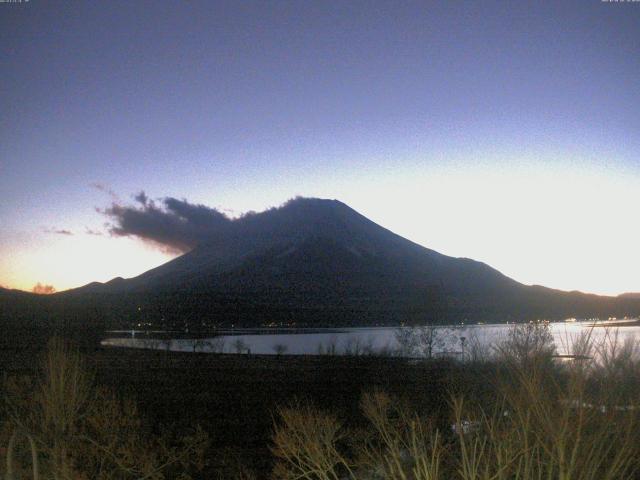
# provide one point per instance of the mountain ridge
(297, 221)
(318, 262)
(629, 295)
(321, 255)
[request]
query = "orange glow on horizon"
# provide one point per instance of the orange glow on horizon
(563, 228)
(66, 262)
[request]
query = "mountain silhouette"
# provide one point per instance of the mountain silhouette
(310, 262)
(629, 295)
(315, 261)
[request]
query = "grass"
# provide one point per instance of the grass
(516, 414)
(576, 421)
(76, 430)
(234, 398)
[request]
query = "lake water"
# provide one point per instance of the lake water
(450, 340)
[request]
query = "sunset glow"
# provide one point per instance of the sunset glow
(517, 147)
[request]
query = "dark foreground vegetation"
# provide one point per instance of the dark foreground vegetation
(514, 413)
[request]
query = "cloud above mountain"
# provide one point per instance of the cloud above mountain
(106, 190)
(58, 231)
(175, 225)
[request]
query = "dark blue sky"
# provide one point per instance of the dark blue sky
(242, 105)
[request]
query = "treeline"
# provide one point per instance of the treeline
(200, 310)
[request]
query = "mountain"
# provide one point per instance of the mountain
(12, 293)
(629, 295)
(316, 242)
(319, 262)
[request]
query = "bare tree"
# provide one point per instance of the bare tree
(199, 344)
(216, 344)
(432, 339)
(280, 348)
(330, 348)
(474, 349)
(423, 341)
(150, 343)
(239, 345)
(353, 347)
(407, 341)
(527, 344)
(166, 344)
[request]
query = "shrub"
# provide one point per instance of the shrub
(78, 431)
(527, 346)
(573, 421)
(306, 445)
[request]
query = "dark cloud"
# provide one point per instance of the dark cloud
(43, 289)
(141, 198)
(58, 231)
(176, 225)
(103, 188)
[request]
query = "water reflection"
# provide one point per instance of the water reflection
(451, 340)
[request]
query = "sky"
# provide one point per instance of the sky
(506, 132)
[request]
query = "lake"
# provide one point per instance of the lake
(450, 340)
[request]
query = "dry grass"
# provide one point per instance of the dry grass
(75, 431)
(306, 443)
(400, 445)
(576, 421)
(543, 421)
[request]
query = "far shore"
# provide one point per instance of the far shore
(631, 322)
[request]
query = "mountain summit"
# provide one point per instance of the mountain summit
(315, 261)
(317, 242)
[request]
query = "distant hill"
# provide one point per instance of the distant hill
(319, 262)
(12, 293)
(629, 295)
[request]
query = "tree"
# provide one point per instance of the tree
(239, 345)
(280, 348)
(527, 344)
(407, 341)
(216, 344)
(199, 344)
(432, 339)
(425, 341)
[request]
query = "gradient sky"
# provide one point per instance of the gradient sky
(508, 132)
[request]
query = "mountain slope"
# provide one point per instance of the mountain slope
(319, 261)
(629, 295)
(308, 240)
